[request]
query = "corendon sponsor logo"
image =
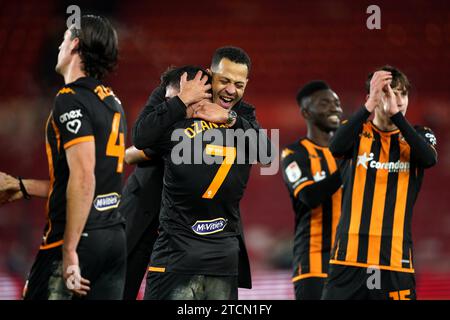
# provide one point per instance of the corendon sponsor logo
(203, 227)
(367, 161)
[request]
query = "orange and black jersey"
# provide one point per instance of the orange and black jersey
(200, 223)
(312, 177)
(85, 110)
(380, 188)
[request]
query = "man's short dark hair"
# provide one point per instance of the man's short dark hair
(399, 79)
(308, 89)
(98, 47)
(171, 77)
(233, 54)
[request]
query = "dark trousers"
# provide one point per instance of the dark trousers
(137, 262)
(309, 288)
(358, 283)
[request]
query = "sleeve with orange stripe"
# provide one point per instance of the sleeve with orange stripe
(296, 170)
(72, 119)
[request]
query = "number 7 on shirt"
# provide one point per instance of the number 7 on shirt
(230, 155)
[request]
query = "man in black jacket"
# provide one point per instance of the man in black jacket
(141, 196)
(141, 200)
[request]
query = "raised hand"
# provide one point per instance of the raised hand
(391, 101)
(378, 86)
(195, 90)
(9, 196)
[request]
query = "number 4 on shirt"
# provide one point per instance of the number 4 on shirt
(113, 149)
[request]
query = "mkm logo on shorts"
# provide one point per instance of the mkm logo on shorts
(203, 227)
(108, 201)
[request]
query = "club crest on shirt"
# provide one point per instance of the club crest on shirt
(203, 227)
(293, 171)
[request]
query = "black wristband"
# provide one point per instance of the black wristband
(26, 195)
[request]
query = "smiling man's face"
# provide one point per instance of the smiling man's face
(324, 110)
(229, 80)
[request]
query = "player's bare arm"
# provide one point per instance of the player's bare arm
(38, 188)
(80, 194)
(134, 155)
(10, 188)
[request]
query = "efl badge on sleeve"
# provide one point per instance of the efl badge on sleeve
(293, 172)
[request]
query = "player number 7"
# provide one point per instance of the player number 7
(113, 149)
(230, 155)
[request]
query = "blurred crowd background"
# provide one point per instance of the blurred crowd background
(290, 43)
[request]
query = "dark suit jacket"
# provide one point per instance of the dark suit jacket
(141, 200)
